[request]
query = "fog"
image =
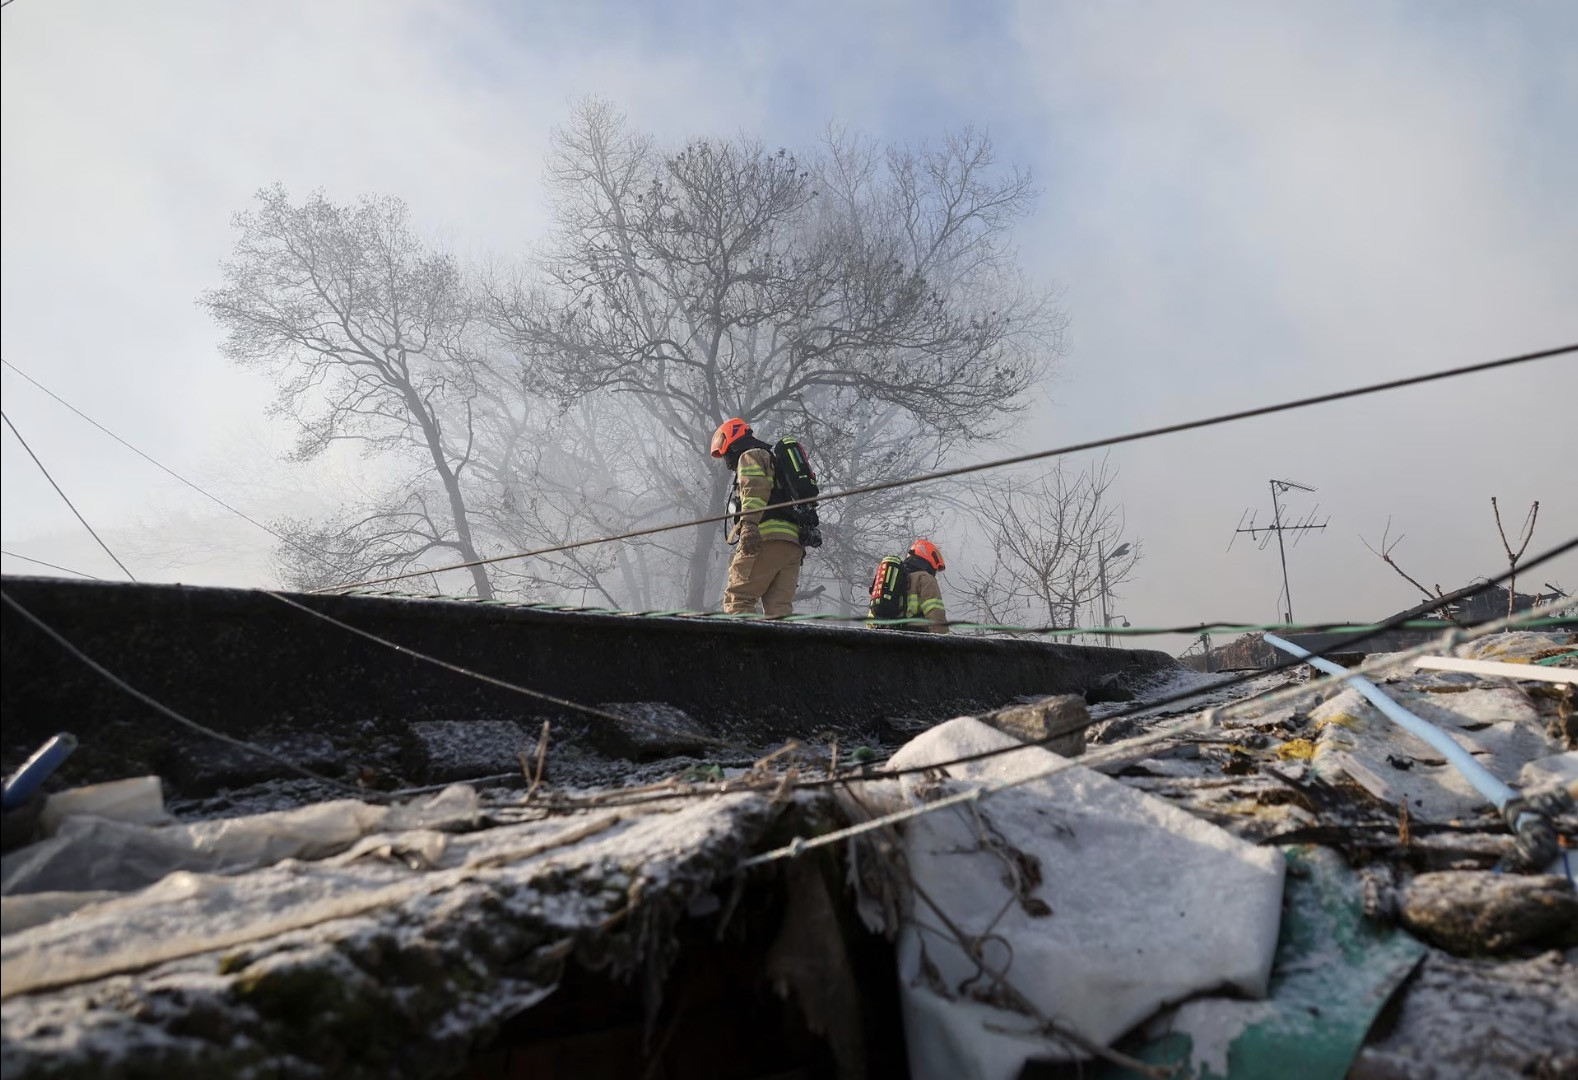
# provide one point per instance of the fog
(1238, 204)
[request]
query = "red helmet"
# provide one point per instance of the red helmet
(926, 550)
(729, 432)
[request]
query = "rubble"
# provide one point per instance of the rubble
(1472, 913)
(409, 946)
(1102, 904)
(1504, 1020)
(1289, 883)
(1058, 723)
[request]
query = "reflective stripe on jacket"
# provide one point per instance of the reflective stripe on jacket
(754, 475)
(925, 598)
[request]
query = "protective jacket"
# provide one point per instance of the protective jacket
(924, 596)
(756, 485)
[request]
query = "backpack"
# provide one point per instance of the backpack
(889, 588)
(793, 478)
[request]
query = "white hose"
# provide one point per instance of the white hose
(1484, 782)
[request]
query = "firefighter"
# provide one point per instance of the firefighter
(923, 597)
(907, 589)
(767, 558)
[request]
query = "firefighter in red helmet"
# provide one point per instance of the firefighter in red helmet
(907, 589)
(765, 568)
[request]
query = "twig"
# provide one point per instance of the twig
(542, 760)
(1512, 559)
(1385, 555)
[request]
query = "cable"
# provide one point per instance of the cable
(165, 710)
(1345, 645)
(1223, 626)
(695, 792)
(52, 566)
(1019, 459)
(456, 668)
(989, 788)
(62, 494)
(1342, 646)
(160, 465)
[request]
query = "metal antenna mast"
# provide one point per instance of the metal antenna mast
(1263, 533)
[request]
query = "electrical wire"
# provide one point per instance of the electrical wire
(446, 665)
(703, 791)
(165, 468)
(1220, 627)
(985, 790)
(1345, 645)
(999, 463)
(63, 495)
(165, 710)
(52, 566)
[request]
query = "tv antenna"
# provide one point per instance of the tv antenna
(1264, 533)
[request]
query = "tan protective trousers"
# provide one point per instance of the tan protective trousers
(769, 576)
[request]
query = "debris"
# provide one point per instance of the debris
(1473, 913)
(1505, 1020)
(139, 800)
(1333, 973)
(21, 785)
(1296, 750)
(650, 730)
(1525, 671)
(363, 967)
(808, 963)
(1148, 905)
(95, 853)
(1058, 723)
(457, 750)
(1499, 727)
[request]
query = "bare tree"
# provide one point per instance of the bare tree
(1047, 537)
(370, 335)
(845, 292)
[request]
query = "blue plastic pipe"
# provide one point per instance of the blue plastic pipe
(1484, 782)
(36, 769)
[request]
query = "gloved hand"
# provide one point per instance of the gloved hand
(750, 540)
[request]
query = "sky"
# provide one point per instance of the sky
(1241, 202)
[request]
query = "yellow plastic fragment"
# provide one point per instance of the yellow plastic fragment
(1300, 749)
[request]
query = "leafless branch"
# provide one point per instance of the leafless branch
(1384, 553)
(1524, 536)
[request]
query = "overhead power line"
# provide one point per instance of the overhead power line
(165, 468)
(1000, 463)
(52, 566)
(708, 791)
(63, 496)
(1344, 645)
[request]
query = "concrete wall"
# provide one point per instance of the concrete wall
(248, 665)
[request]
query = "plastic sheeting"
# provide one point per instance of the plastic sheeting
(1138, 905)
(89, 853)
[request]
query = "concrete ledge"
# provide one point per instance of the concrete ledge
(246, 664)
